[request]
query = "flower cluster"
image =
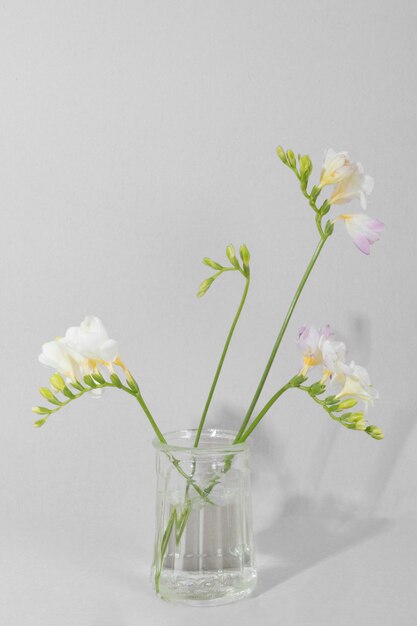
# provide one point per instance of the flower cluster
(348, 182)
(81, 350)
(350, 381)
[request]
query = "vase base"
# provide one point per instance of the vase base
(206, 588)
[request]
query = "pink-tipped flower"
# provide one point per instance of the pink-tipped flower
(309, 342)
(363, 229)
(355, 185)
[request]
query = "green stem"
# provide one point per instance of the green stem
(266, 408)
(147, 412)
(280, 336)
(220, 365)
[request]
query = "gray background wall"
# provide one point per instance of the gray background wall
(136, 138)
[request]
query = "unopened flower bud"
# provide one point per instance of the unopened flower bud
(245, 256)
(291, 158)
(297, 380)
(317, 388)
(347, 404)
(41, 410)
(306, 166)
(205, 286)
(57, 382)
(231, 255)
(212, 263)
(281, 154)
(375, 432)
(329, 228)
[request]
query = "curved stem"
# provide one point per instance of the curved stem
(280, 335)
(220, 365)
(263, 412)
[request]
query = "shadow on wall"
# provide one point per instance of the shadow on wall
(307, 529)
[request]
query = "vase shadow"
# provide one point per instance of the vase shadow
(306, 527)
(306, 532)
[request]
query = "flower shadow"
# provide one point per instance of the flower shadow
(306, 532)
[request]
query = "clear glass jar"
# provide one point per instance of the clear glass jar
(204, 551)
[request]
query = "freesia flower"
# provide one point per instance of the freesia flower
(309, 342)
(358, 385)
(91, 340)
(55, 354)
(336, 167)
(355, 184)
(334, 356)
(81, 350)
(363, 229)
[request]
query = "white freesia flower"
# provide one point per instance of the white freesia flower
(355, 184)
(81, 350)
(336, 167)
(334, 356)
(55, 354)
(91, 340)
(358, 385)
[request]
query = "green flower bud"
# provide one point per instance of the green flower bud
(57, 382)
(205, 285)
(281, 154)
(317, 388)
(306, 166)
(89, 381)
(291, 159)
(99, 378)
(329, 228)
(48, 395)
(68, 393)
(116, 380)
(325, 208)
(41, 410)
(231, 255)
(40, 423)
(346, 404)
(212, 263)
(331, 400)
(132, 383)
(297, 380)
(245, 256)
(375, 432)
(77, 385)
(314, 193)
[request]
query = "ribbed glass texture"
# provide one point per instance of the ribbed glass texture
(204, 551)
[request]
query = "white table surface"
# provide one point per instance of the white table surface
(362, 573)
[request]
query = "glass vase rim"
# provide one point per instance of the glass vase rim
(188, 434)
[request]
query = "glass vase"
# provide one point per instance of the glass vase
(204, 551)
